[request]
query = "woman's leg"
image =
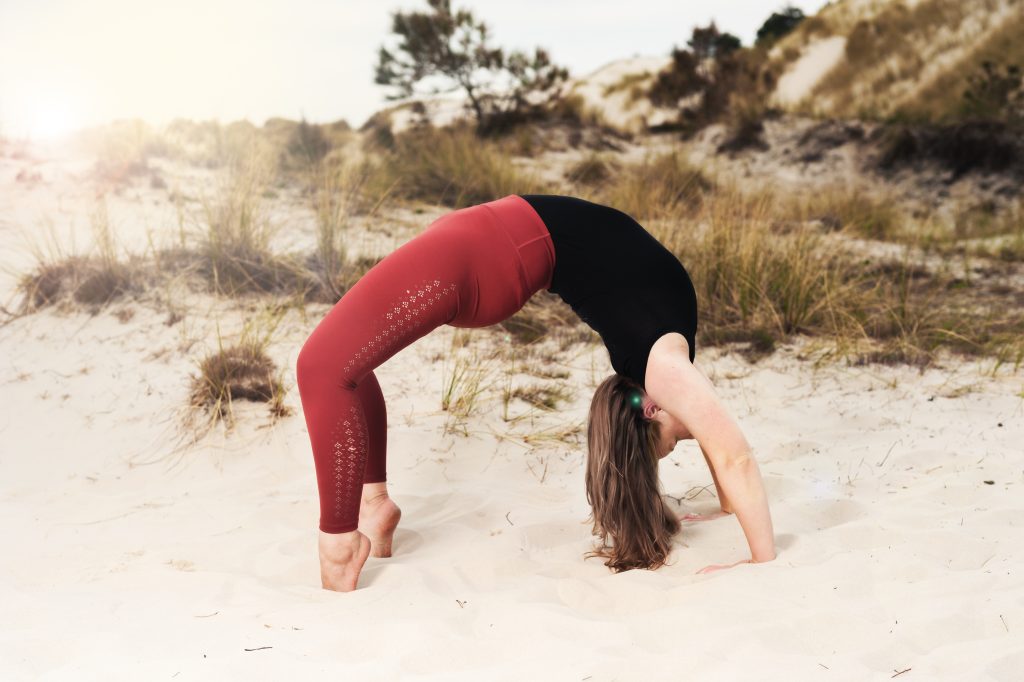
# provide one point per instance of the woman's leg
(465, 269)
(384, 312)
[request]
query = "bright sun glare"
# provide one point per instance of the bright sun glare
(50, 116)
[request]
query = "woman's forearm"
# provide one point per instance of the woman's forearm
(723, 501)
(741, 482)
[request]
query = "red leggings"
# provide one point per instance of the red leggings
(472, 267)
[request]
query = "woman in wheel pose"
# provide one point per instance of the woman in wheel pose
(475, 267)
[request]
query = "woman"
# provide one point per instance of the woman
(475, 267)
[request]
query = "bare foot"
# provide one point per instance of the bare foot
(378, 518)
(342, 556)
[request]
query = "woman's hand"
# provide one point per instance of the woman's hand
(719, 567)
(704, 517)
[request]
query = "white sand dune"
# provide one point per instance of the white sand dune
(126, 559)
(800, 78)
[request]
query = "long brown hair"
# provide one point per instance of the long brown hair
(622, 480)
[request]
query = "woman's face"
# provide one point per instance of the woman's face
(672, 430)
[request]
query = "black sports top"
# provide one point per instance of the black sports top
(618, 278)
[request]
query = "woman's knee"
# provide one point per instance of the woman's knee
(319, 363)
(313, 363)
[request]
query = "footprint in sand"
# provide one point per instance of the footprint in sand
(795, 449)
(822, 514)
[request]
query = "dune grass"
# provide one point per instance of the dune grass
(467, 373)
(62, 276)
(236, 237)
(942, 100)
(336, 196)
(760, 281)
(451, 167)
(659, 186)
(860, 212)
(239, 371)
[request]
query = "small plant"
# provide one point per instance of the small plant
(241, 371)
(465, 377)
(335, 200)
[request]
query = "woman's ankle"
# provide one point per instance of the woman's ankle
(374, 493)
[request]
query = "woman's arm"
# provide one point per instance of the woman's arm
(681, 389)
(723, 501)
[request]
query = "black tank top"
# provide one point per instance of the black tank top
(618, 278)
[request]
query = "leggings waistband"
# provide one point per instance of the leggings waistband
(531, 238)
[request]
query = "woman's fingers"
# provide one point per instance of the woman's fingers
(703, 517)
(719, 567)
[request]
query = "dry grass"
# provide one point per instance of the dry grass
(545, 315)
(451, 167)
(942, 99)
(338, 194)
(660, 186)
(466, 375)
(545, 397)
(890, 55)
(595, 168)
(760, 280)
(240, 371)
(856, 210)
(94, 279)
(235, 243)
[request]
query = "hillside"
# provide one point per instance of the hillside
(883, 58)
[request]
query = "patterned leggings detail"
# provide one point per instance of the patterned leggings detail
(472, 267)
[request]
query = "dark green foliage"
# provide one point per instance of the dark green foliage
(450, 51)
(779, 24)
(725, 75)
(709, 43)
(679, 80)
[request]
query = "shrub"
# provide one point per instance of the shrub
(779, 24)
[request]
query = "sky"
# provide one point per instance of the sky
(66, 64)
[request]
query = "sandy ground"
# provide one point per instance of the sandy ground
(817, 59)
(133, 553)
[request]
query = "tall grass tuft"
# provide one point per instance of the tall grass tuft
(754, 284)
(466, 375)
(452, 167)
(240, 371)
(855, 210)
(62, 275)
(339, 192)
(660, 186)
(235, 243)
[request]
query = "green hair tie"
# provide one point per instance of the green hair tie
(636, 400)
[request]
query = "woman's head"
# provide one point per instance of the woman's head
(624, 444)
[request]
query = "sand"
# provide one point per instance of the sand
(817, 59)
(132, 553)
